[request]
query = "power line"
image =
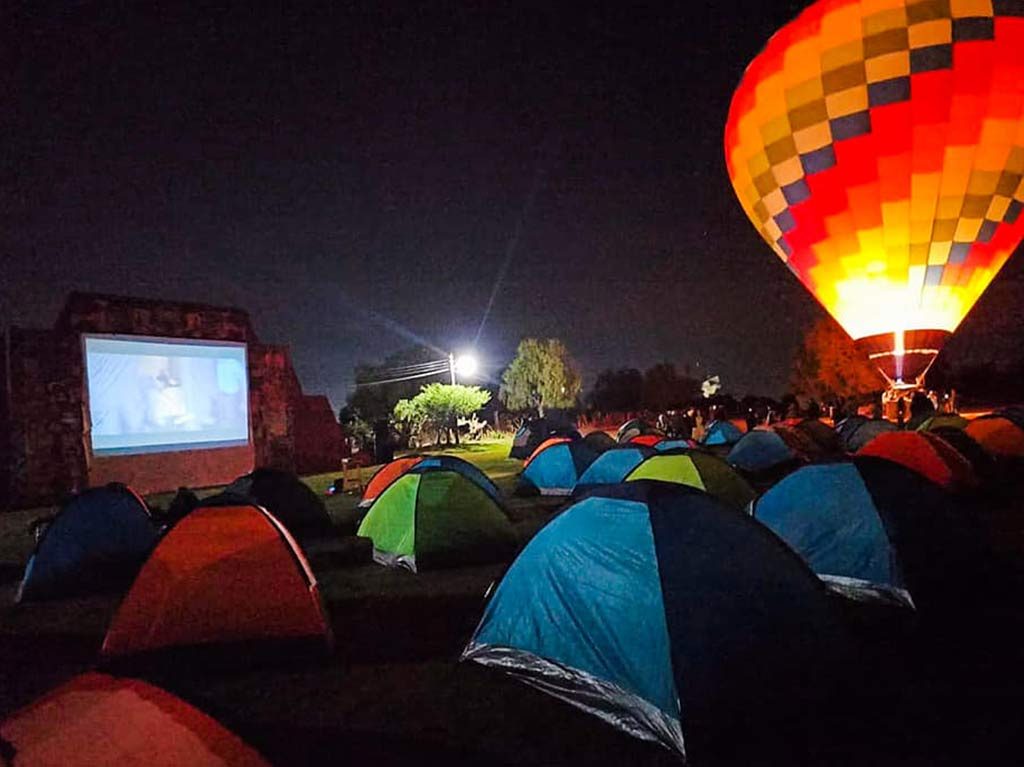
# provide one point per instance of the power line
(417, 368)
(428, 374)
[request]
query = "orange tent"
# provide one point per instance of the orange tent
(98, 719)
(925, 453)
(999, 436)
(385, 475)
(543, 446)
(222, 575)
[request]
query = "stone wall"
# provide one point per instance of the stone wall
(45, 450)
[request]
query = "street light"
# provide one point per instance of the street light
(465, 365)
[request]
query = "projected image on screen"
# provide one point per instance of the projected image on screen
(157, 395)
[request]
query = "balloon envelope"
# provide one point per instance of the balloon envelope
(878, 147)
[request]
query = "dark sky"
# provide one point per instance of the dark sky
(330, 169)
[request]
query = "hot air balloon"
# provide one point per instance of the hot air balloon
(878, 147)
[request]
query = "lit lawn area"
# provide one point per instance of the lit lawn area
(490, 456)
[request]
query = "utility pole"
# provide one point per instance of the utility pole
(451, 365)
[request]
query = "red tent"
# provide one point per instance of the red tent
(925, 453)
(385, 475)
(98, 719)
(221, 575)
(999, 435)
(647, 439)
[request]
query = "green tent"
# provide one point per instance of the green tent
(437, 518)
(700, 470)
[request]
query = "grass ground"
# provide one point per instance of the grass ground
(393, 692)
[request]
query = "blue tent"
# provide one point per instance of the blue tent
(721, 433)
(652, 605)
(612, 466)
(465, 468)
(874, 531)
(761, 451)
(857, 431)
(97, 541)
(673, 444)
(556, 469)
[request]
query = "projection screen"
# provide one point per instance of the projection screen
(161, 394)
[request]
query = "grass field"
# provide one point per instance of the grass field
(945, 692)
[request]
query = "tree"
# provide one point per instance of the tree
(829, 367)
(440, 406)
(618, 391)
(376, 401)
(542, 375)
(664, 389)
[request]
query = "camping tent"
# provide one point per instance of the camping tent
(612, 466)
(436, 517)
(1000, 435)
(674, 444)
(392, 471)
(698, 470)
(650, 440)
(854, 434)
(762, 451)
(874, 530)
(544, 446)
(822, 434)
(600, 441)
(651, 606)
(288, 498)
(943, 421)
(556, 469)
(385, 475)
(981, 462)
(97, 719)
(97, 541)
(721, 433)
(634, 427)
(222, 575)
(529, 436)
(850, 424)
(925, 453)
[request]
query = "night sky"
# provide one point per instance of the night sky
(355, 177)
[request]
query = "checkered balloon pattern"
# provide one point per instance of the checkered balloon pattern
(878, 147)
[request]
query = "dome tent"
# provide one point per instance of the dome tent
(385, 475)
(875, 531)
(437, 517)
(694, 614)
(635, 427)
(392, 471)
(96, 719)
(1000, 435)
(223, 576)
(925, 453)
(854, 435)
(721, 433)
(97, 541)
(674, 444)
(698, 470)
(285, 496)
(600, 441)
(556, 469)
(532, 433)
(761, 452)
(612, 466)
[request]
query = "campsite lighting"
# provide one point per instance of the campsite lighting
(887, 176)
(465, 365)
